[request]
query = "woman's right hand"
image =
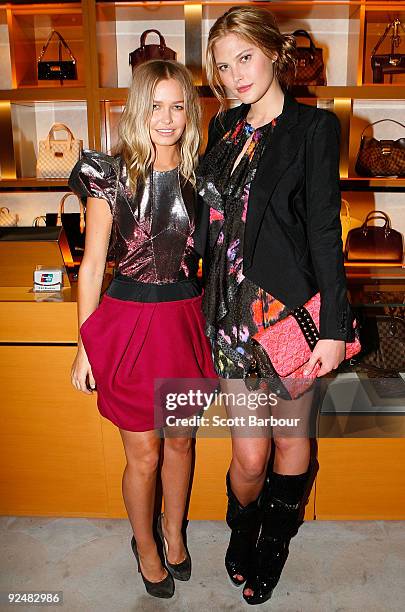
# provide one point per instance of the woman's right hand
(81, 373)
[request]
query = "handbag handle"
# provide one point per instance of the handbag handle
(162, 42)
(347, 207)
(58, 127)
(62, 210)
(381, 121)
(306, 35)
(4, 209)
(377, 214)
(396, 24)
(61, 41)
(37, 221)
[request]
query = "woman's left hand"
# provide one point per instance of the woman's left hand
(329, 353)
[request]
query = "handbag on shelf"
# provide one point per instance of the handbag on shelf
(384, 343)
(347, 221)
(373, 242)
(74, 224)
(381, 157)
(8, 219)
(38, 221)
(147, 52)
(310, 64)
(57, 70)
(388, 63)
(56, 158)
(283, 349)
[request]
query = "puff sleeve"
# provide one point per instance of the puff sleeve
(95, 175)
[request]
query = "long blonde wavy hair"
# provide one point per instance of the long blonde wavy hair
(258, 26)
(134, 142)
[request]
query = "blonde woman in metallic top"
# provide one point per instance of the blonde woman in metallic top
(142, 208)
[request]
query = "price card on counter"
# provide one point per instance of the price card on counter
(48, 279)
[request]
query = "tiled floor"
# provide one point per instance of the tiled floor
(333, 567)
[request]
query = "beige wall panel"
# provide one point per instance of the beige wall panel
(33, 322)
(361, 479)
(51, 453)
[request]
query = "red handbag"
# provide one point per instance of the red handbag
(284, 349)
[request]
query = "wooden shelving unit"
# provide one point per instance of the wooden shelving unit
(100, 33)
(358, 479)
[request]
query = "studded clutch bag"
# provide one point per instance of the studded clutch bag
(283, 349)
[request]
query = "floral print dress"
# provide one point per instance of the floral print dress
(235, 308)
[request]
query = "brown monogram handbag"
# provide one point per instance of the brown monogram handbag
(310, 66)
(374, 243)
(386, 339)
(147, 52)
(381, 157)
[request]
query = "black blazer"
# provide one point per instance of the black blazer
(292, 244)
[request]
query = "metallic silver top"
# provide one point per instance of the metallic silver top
(152, 232)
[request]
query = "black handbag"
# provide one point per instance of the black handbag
(57, 70)
(148, 52)
(74, 224)
(388, 63)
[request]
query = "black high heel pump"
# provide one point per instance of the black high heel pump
(180, 571)
(164, 588)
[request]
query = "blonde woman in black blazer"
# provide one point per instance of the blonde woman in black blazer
(270, 180)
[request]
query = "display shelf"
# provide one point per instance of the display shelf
(28, 184)
(29, 27)
(373, 184)
(376, 20)
(119, 28)
(107, 31)
(365, 112)
(334, 26)
(31, 122)
(37, 94)
(380, 92)
(377, 265)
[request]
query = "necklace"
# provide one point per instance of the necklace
(248, 129)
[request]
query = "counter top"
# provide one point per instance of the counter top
(26, 294)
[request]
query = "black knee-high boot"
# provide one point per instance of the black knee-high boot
(245, 523)
(282, 516)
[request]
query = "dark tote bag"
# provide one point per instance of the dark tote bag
(148, 52)
(73, 223)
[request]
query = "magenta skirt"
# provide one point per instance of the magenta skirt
(130, 344)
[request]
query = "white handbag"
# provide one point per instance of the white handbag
(56, 158)
(8, 219)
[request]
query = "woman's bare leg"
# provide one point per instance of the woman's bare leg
(292, 446)
(142, 451)
(176, 471)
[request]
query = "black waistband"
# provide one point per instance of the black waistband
(124, 288)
